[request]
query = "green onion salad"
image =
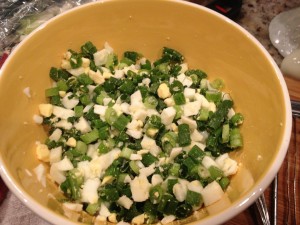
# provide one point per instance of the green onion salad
(134, 141)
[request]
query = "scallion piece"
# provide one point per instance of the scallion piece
(190, 164)
(121, 122)
(196, 153)
(150, 102)
(203, 172)
(81, 147)
(213, 96)
(106, 145)
(217, 84)
(127, 87)
(176, 87)
(78, 111)
(203, 114)
(90, 136)
(155, 194)
(134, 167)
(225, 133)
(174, 170)
(184, 135)
(235, 138)
(148, 159)
(179, 98)
(109, 194)
(215, 172)
(88, 49)
(100, 97)
(75, 61)
(237, 119)
(168, 204)
(51, 92)
(103, 132)
(92, 208)
(179, 111)
(85, 99)
(224, 182)
(62, 85)
(110, 115)
(193, 198)
(126, 153)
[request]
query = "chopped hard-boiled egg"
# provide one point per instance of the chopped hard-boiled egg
(130, 134)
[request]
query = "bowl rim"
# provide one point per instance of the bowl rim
(239, 205)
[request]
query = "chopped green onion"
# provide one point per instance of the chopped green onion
(126, 61)
(190, 164)
(237, 119)
(134, 56)
(103, 133)
(174, 170)
(235, 138)
(164, 68)
(106, 145)
(224, 182)
(51, 92)
(203, 114)
(55, 100)
(167, 205)
(88, 49)
(172, 55)
(184, 135)
(179, 98)
(75, 61)
(90, 136)
(92, 208)
(62, 85)
(110, 116)
(217, 84)
(109, 194)
(156, 194)
(170, 184)
(196, 153)
(203, 172)
(225, 133)
(81, 147)
(148, 159)
(85, 99)
(183, 211)
(84, 79)
(176, 87)
(134, 167)
(213, 96)
(150, 102)
(126, 153)
(179, 111)
(127, 87)
(193, 198)
(121, 122)
(215, 172)
(78, 111)
(100, 97)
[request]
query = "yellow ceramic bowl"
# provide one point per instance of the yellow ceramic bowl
(209, 41)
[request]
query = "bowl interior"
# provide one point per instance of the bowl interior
(209, 42)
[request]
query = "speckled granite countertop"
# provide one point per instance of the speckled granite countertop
(256, 16)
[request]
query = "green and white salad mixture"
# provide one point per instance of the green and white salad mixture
(134, 141)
